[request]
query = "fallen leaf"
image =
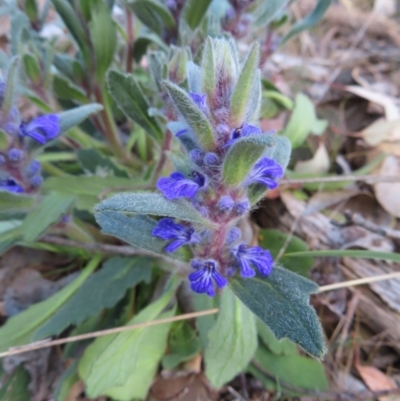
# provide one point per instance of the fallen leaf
(377, 381)
(319, 164)
(389, 103)
(388, 193)
(382, 130)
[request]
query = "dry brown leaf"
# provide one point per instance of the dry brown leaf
(319, 164)
(377, 381)
(390, 104)
(391, 148)
(388, 193)
(382, 130)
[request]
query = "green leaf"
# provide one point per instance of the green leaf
(278, 347)
(274, 240)
(153, 14)
(152, 204)
(73, 117)
(130, 98)
(122, 365)
(302, 121)
(194, 11)
(102, 290)
(204, 323)
(243, 91)
(104, 38)
(15, 388)
(268, 10)
(10, 202)
(232, 341)
(11, 85)
(293, 370)
(21, 328)
(72, 22)
(192, 114)
(65, 383)
(49, 211)
(31, 67)
(309, 21)
(136, 231)
(9, 237)
(65, 89)
(208, 68)
(281, 301)
(340, 253)
(92, 159)
(242, 155)
(183, 345)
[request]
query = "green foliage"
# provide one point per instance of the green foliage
(136, 353)
(49, 211)
(281, 301)
(152, 204)
(10, 202)
(243, 93)
(195, 118)
(15, 388)
(242, 155)
(73, 117)
(274, 240)
(232, 340)
(290, 372)
(10, 90)
(130, 98)
(195, 11)
(303, 121)
(21, 329)
(102, 290)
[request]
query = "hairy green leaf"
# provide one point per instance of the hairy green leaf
(152, 204)
(278, 347)
(10, 202)
(15, 387)
(11, 85)
(208, 68)
(65, 89)
(136, 231)
(130, 98)
(281, 301)
(232, 341)
(268, 10)
(242, 155)
(48, 212)
(73, 117)
(193, 115)
(102, 290)
(21, 328)
(243, 91)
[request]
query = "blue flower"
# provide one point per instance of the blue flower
(43, 128)
(265, 172)
(182, 235)
(250, 257)
(36, 181)
(33, 168)
(10, 185)
(202, 280)
(15, 155)
(242, 207)
(178, 186)
(200, 101)
(225, 204)
(244, 130)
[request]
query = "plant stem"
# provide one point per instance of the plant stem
(165, 147)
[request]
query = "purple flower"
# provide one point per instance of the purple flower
(200, 101)
(42, 129)
(211, 159)
(33, 168)
(10, 185)
(182, 235)
(225, 204)
(250, 257)
(197, 156)
(15, 155)
(202, 280)
(233, 235)
(242, 207)
(178, 186)
(244, 130)
(36, 181)
(265, 172)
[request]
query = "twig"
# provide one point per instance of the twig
(359, 220)
(44, 344)
(339, 178)
(352, 283)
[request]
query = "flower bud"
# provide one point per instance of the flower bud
(15, 155)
